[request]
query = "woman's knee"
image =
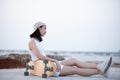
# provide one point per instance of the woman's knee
(73, 61)
(75, 70)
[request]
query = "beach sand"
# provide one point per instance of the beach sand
(18, 74)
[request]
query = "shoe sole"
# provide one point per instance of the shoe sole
(108, 66)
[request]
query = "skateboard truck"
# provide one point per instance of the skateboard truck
(46, 69)
(26, 73)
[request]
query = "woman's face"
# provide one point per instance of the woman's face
(42, 30)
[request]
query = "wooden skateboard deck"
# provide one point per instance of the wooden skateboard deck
(42, 68)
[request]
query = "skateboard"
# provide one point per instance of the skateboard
(42, 68)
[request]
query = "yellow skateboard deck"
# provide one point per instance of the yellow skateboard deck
(42, 68)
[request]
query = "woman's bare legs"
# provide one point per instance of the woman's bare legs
(79, 64)
(73, 66)
(71, 70)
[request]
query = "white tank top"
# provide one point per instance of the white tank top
(39, 47)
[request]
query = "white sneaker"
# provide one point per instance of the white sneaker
(104, 67)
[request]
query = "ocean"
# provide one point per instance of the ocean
(80, 55)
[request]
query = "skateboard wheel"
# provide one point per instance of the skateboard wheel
(44, 75)
(26, 73)
(45, 61)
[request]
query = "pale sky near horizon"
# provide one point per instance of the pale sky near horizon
(72, 25)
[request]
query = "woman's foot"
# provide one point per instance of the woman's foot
(104, 67)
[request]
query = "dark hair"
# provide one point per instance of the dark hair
(36, 35)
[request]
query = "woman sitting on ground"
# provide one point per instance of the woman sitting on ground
(64, 67)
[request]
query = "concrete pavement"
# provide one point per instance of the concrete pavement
(18, 74)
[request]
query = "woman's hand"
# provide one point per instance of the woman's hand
(58, 66)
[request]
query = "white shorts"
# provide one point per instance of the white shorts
(56, 74)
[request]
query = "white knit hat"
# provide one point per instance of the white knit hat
(37, 25)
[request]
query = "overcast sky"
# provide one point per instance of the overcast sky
(72, 25)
